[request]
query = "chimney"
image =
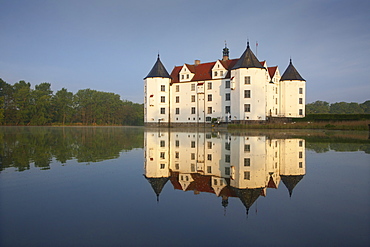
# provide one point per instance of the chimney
(197, 62)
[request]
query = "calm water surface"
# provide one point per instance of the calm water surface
(148, 187)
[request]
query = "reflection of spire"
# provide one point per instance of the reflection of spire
(225, 202)
(157, 184)
(291, 181)
(247, 196)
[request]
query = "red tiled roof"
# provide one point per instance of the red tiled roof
(272, 71)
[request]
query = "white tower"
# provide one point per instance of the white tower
(293, 93)
(157, 95)
(248, 84)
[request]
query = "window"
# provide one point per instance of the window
(208, 136)
(209, 169)
(177, 88)
(209, 110)
(227, 84)
(177, 143)
(162, 144)
(193, 98)
(227, 158)
(192, 167)
(162, 155)
(300, 112)
(209, 85)
(227, 97)
(187, 76)
(182, 77)
(300, 101)
(209, 97)
(247, 80)
(221, 73)
(163, 88)
(215, 181)
(163, 110)
(163, 99)
(192, 156)
(193, 87)
(276, 101)
(208, 119)
(300, 143)
(300, 155)
(177, 155)
(247, 148)
(177, 166)
(276, 90)
(209, 157)
(300, 90)
(300, 164)
(215, 73)
(209, 145)
(247, 107)
(227, 146)
(227, 170)
(227, 109)
(193, 144)
(247, 175)
(247, 162)
(247, 93)
(177, 111)
(163, 166)
(177, 99)
(193, 110)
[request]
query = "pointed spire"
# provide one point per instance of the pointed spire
(291, 74)
(158, 70)
(290, 181)
(225, 53)
(157, 184)
(248, 60)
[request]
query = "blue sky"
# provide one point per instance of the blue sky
(111, 45)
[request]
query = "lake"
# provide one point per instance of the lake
(128, 186)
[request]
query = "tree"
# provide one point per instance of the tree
(366, 106)
(318, 107)
(346, 108)
(62, 104)
(22, 99)
(41, 104)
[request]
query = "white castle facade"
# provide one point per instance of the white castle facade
(228, 90)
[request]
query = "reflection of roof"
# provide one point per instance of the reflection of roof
(248, 196)
(157, 184)
(271, 183)
(291, 181)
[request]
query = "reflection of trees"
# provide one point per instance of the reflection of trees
(322, 147)
(39, 145)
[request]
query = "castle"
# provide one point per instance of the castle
(228, 91)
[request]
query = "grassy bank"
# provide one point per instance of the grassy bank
(330, 125)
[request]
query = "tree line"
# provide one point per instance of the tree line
(22, 105)
(323, 107)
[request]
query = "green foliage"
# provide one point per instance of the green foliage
(21, 105)
(322, 107)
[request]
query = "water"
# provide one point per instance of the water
(148, 187)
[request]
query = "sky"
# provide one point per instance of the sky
(111, 45)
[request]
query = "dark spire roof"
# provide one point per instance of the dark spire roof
(158, 70)
(248, 60)
(157, 184)
(225, 51)
(291, 181)
(247, 196)
(291, 74)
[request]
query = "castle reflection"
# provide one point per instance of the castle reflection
(223, 164)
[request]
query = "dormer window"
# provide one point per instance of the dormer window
(215, 73)
(182, 77)
(187, 76)
(221, 73)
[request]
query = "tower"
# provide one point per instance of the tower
(157, 95)
(293, 93)
(248, 84)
